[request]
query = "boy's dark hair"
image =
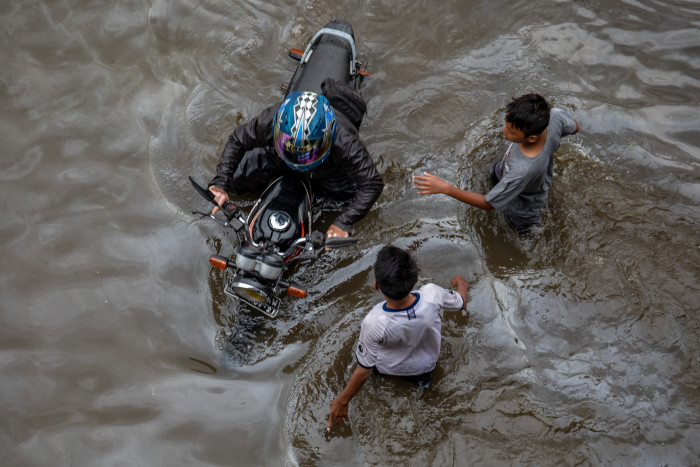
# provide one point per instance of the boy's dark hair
(528, 113)
(396, 272)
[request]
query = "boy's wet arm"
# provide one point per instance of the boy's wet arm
(462, 286)
(429, 184)
(339, 406)
(474, 199)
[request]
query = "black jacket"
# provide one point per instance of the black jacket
(349, 167)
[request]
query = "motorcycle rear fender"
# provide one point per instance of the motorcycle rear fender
(330, 54)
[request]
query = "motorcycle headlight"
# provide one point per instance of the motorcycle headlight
(251, 289)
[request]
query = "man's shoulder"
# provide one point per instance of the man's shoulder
(267, 114)
(524, 168)
(348, 144)
(345, 127)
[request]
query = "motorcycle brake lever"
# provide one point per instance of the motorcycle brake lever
(205, 214)
(211, 216)
(229, 209)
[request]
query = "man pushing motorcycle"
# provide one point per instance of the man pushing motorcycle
(309, 133)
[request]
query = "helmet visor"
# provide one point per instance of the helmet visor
(300, 158)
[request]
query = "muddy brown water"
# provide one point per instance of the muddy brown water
(118, 346)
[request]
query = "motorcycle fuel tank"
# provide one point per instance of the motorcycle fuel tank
(283, 212)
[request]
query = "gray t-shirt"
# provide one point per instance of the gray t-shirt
(525, 181)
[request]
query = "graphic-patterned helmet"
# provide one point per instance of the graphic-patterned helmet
(304, 130)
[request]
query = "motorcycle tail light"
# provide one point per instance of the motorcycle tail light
(251, 289)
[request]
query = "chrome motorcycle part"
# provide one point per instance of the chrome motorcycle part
(251, 292)
(270, 267)
(246, 258)
(251, 289)
(279, 221)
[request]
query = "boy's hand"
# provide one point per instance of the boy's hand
(457, 280)
(220, 196)
(462, 286)
(428, 184)
(339, 406)
(339, 412)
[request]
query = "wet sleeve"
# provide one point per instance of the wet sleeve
(447, 299)
(505, 191)
(565, 122)
(366, 353)
(360, 168)
(253, 134)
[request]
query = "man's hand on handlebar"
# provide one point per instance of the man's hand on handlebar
(335, 231)
(220, 196)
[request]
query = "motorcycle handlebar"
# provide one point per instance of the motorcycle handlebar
(316, 241)
(229, 209)
(206, 194)
(338, 242)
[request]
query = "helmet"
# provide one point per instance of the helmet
(304, 130)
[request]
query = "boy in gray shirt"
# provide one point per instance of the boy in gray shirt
(525, 172)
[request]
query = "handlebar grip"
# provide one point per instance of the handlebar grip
(337, 242)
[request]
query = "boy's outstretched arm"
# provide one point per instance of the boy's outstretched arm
(339, 406)
(429, 184)
(460, 283)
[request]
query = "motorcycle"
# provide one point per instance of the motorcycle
(278, 229)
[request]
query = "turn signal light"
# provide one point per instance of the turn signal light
(296, 54)
(218, 262)
(296, 292)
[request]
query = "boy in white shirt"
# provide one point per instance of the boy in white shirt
(400, 336)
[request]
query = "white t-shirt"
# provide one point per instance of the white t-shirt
(406, 342)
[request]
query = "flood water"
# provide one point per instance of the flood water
(580, 341)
